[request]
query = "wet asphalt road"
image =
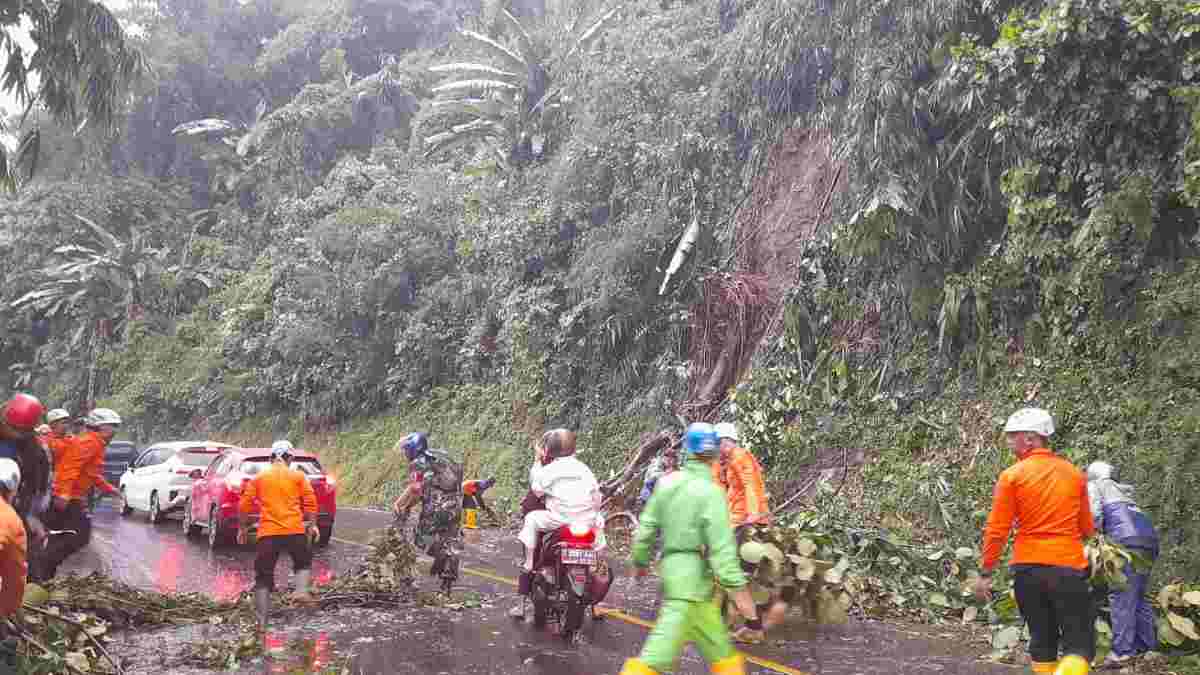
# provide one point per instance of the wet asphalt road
(472, 636)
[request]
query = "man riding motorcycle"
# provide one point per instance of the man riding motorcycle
(571, 493)
(435, 481)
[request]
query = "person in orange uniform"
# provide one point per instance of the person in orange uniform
(78, 466)
(12, 542)
(740, 474)
(473, 501)
(53, 433)
(287, 508)
(1048, 496)
(742, 477)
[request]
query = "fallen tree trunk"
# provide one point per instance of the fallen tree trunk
(645, 452)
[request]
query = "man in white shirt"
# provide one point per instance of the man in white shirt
(571, 493)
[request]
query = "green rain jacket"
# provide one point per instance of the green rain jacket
(689, 510)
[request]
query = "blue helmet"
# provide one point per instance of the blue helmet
(701, 439)
(415, 445)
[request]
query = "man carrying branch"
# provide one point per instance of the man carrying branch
(1048, 496)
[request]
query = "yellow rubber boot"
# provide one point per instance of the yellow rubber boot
(1072, 665)
(636, 667)
(1042, 667)
(734, 665)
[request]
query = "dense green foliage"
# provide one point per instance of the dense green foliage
(1016, 223)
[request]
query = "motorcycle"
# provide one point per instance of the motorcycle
(570, 578)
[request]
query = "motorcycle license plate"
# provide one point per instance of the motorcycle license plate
(578, 556)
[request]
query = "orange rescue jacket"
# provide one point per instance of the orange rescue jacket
(79, 465)
(1047, 496)
(13, 569)
(284, 496)
(742, 477)
(57, 445)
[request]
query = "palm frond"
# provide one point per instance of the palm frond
(511, 58)
(478, 69)
(205, 127)
(8, 179)
(110, 240)
(523, 40)
(474, 86)
(593, 31)
(461, 135)
(481, 107)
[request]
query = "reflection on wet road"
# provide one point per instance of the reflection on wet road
(473, 635)
(162, 558)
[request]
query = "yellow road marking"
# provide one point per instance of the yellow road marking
(614, 613)
(638, 621)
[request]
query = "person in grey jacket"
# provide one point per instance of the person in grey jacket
(1118, 517)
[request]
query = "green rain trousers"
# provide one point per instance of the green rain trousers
(683, 621)
(689, 511)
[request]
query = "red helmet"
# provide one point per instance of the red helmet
(23, 412)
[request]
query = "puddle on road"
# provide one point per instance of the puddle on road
(469, 636)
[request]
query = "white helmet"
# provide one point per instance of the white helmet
(1099, 471)
(10, 476)
(282, 449)
(56, 415)
(727, 430)
(102, 416)
(1031, 419)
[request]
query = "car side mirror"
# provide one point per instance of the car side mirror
(196, 474)
(130, 467)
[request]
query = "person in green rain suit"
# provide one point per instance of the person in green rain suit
(689, 509)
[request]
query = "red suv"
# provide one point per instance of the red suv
(217, 490)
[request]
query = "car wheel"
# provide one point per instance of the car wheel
(126, 509)
(216, 536)
(154, 514)
(326, 534)
(190, 528)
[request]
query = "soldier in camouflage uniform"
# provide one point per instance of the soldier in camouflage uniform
(436, 481)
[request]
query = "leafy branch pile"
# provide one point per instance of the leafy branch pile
(63, 626)
(796, 557)
(383, 579)
(1180, 607)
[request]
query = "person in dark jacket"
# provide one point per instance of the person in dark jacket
(1118, 517)
(19, 419)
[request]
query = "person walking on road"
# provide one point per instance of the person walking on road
(13, 546)
(287, 523)
(1048, 497)
(1117, 516)
(689, 511)
(78, 468)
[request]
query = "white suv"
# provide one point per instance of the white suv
(159, 481)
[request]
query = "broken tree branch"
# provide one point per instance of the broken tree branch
(641, 457)
(91, 638)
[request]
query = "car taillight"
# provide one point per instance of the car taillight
(576, 534)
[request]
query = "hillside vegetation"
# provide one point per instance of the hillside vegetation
(862, 229)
